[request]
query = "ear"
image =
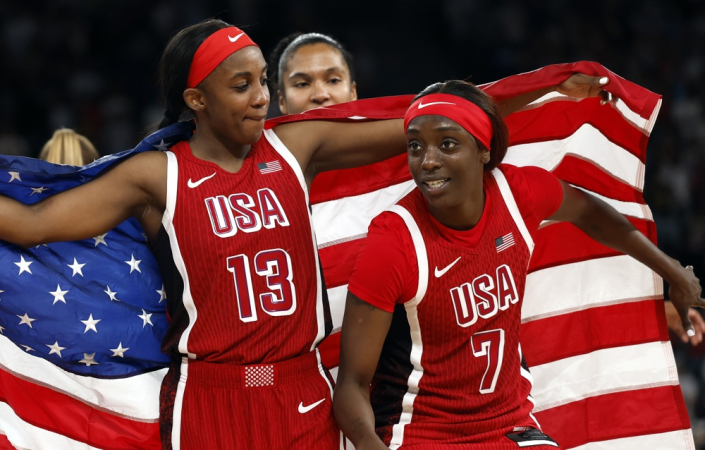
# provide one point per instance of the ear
(282, 102)
(485, 156)
(353, 89)
(195, 99)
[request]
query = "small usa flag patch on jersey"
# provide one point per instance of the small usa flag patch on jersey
(269, 167)
(504, 242)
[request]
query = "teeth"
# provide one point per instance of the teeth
(435, 184)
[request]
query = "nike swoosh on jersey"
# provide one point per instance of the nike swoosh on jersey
(193, 184)
(440, 273)
(421, 105)
(304, 409)
(234, 39)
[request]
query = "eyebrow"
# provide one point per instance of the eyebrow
(246, 73)
(306, 74)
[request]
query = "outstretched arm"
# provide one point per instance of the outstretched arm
(136, 187)
(605, 225)
(364, 330)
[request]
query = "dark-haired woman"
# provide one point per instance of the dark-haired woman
(311, 70)
(433, 310)
(228, 217)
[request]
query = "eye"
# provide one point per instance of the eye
(241, 87)
(448, 143)
(413, 146)
(335, 80)
(264, 81)
(301, 84)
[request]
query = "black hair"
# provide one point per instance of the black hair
(286, 48)
(471, 93)
(175, 64)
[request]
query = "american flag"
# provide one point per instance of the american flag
(269, 167)
(81, 325)
(599, 381)
(504, 242)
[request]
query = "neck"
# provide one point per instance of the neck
(467, 213)
(209, 146)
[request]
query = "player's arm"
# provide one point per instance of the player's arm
(607, 226)
(364, 330)
(132, 188)
(577, 85)
(327, 145)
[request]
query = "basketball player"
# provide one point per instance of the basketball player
(441, 346)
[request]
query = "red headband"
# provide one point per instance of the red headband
(214, 50)
(465, 113)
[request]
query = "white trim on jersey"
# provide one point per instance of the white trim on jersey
(291, 161)
(172, 180)
(414, 326)
(526, 374)
(513, 208)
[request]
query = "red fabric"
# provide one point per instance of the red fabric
(214, 50)
(389, 277)
(463, 112)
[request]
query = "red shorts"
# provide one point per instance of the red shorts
(286, 405)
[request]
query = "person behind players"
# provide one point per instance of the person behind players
(434, 304)
(68, 147)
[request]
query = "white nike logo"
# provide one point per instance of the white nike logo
(193, 184)
(233, 39)
(304, 409)
(440, 273)
(421, 105)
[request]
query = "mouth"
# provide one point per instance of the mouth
(255, 118)
(435, 185)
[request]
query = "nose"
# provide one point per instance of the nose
(260, 98)
(431, 159)
(320, 94)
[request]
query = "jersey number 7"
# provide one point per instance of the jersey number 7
(489, 344)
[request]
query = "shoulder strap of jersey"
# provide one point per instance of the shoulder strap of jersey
(508, 197)
(172, 179)
(419, 246)
(289, 158)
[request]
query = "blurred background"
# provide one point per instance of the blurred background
(90, 65)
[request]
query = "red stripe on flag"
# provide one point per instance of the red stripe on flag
(337, 184)
(5, 443)
(559, 119)
(615, 416)
(585, 174)
(330, 351)
(563, 243)
(577, 333)
(62, 414)
(338, 260)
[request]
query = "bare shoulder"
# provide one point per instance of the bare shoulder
(146, 172)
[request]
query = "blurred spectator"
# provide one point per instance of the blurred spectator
(68, 147)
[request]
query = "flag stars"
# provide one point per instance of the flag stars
(90, 324)
(111, 294)
(100, 239)
(161, 146)
(88, 360)
(161, 292)
(134, 264)
(26, 320)
(27, 348)
(146, 318)
(1, 291)
(76, 267)
(59, 295)
(119, 351)
(38, 190)
(56, 348)
(23, 265)
(14, 176)
(2, 329)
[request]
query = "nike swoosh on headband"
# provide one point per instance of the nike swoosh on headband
(421, 105)
(234, 39)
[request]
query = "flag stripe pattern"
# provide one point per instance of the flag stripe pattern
(600, 380)
(504, 242)
(269, 167)
(583, 301)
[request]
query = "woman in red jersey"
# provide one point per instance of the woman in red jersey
(434, 304)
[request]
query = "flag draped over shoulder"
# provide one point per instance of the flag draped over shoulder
(593, 325)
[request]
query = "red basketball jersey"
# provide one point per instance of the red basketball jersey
(451, 368)
(244, 248)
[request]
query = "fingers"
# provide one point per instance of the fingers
(698, 326)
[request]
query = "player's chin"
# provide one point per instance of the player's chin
(252, 132)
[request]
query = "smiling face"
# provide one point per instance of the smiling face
(315, 75)
(232, 101)
(447, 165)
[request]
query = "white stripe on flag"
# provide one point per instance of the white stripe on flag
(681, 439)
(587, 284)
(23, 435)
(133, 397)
(576, 378)
(336, 297)
(338, 220)
(587, 143)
